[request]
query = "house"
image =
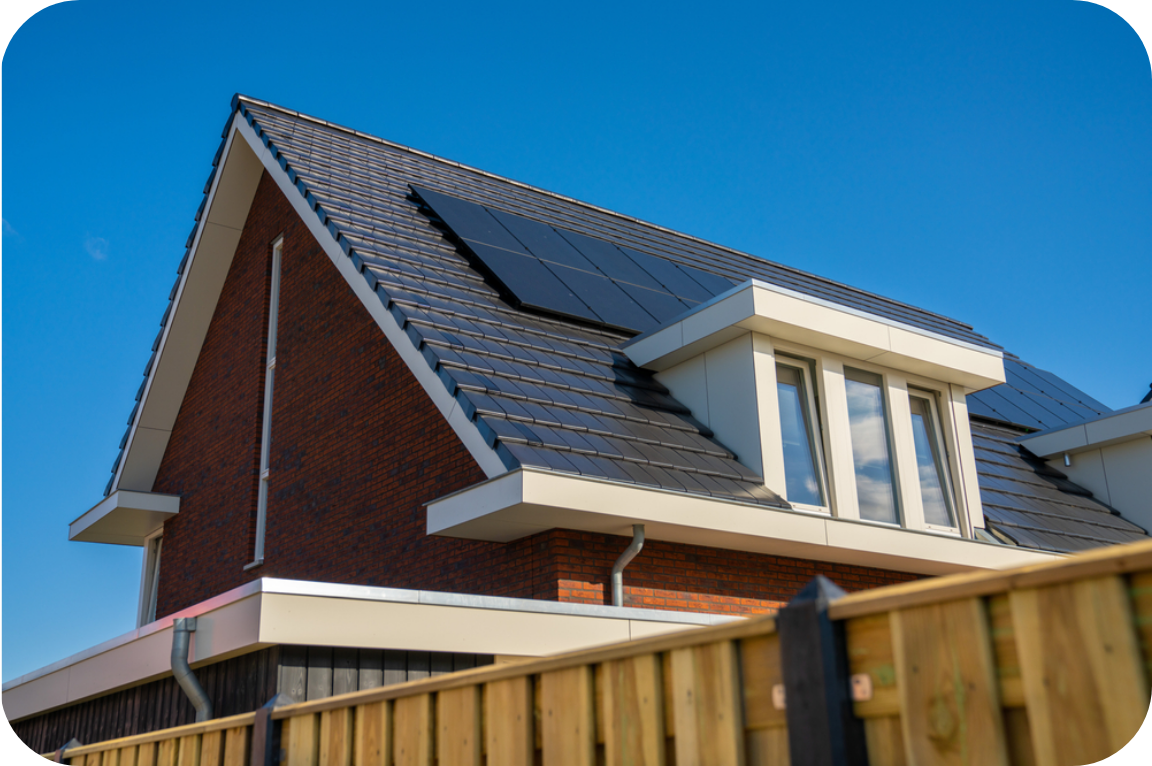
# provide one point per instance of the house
(403, 417)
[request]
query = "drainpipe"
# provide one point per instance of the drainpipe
(624, 560)
(181, 628)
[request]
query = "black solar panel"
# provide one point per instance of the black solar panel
(571, 274)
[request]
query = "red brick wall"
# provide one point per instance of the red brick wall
(358, 448)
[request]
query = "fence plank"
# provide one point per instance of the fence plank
(336, 737)
(1083, 674)
(127, 756)
(301, 740)
(237, 745)
(767, 747)
(870, 652)
(633, 697)
(1004, 648)
(458, 736)
(707, 705)
(372, 737)
(211, 749)
(166, 753)
(1140, 590)
(413, 742)
(189, 751)
(761, 671)
(146, 754)
(885, 741)
(567, 719)
(509, 718)
(1019, 734)
(949, 693)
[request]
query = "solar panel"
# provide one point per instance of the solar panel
(568, 273)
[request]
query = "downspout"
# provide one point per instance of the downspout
(181, 628)
(624, 560)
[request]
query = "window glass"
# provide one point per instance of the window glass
(801, 475)
(875, 489)
(929, 466)
(153, 580)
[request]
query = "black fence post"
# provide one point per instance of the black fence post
(822, 728)
(266, 736)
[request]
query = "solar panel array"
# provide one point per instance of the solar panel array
(571, 274)
(1034, 398)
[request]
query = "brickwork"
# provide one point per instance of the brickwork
(358, 448)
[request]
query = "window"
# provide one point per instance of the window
(266, 430)
(803, 474)
(871, 446)
(150, 580)
(930, 461)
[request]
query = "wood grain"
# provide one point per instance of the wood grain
(1083, 672)
(509, 722)
(870, 653)
(413, 742)
(707, 706)
(458, 736)
(188, 751)
(633, 704)
(211, 749)
(949, 693)
(885, 742)
(767, 747)
(372, 738)
(237, 746)
(300, 740)
(760, 672)
(336, 737)
(567, 720)
(1003, 632)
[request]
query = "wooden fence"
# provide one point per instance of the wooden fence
(1042, 665)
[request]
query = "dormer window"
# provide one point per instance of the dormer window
(803, 454)
(931, 462)
(871, 446)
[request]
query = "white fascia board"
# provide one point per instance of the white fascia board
(271, 611)
(125, 517)
(525, 502)
(465, 429)
(791, 316)
(1102, 431)
(209, 260)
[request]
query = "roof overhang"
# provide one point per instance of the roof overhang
(124, 518)
(528, 501)
(270, 611)
(1106, 430)
(778, 312)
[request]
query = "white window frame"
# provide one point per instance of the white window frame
(934, 398)
(831, 402)
(266, 425)
(150, 578)
(816, 429)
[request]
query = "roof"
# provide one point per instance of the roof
(558, 393)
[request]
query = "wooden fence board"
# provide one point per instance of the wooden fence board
(188, 751)
(166, 753)
(458, 737)
(633, 704)
(127, 756)
(761, 672)
(767, 747)
(870, 653)
(509, 722)
(146, 754)
(1083, 674)
(949, 693)
(237, 746)
(1004, 649)
(1140, 590)
(336, 737)
(300, 740)
(412, 732)
(707, 705)
(211, 749)
(567, 719)
(372, 737)
(885, 741)
(1019, 735)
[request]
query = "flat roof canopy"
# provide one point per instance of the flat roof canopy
(125, 517)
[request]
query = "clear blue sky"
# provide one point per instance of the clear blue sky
(986, 160)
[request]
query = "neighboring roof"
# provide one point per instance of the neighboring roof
(1034, 399)
(542, 390)
(1034, 505)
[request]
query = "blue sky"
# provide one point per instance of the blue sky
(986, 160)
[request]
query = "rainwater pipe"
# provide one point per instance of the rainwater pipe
(624, 560)
(181, 628)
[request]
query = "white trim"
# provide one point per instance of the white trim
(1101, 431)
(788, 315)
(528, 501)
(465, 429)
(269, 611)
(266, 425)
(149, 578)
(125, 517)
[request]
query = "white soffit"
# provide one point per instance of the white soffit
(778, 312)
(525, 502)
(1103, 431)
(226, 210)
(124, 517)
(270, 611)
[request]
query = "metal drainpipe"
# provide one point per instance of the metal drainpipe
(624, 560)
(181, 628)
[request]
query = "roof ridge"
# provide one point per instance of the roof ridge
(238, 98)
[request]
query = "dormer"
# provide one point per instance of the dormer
(842, 412)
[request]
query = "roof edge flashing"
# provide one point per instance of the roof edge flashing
(778, 312)
(1105, 430)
